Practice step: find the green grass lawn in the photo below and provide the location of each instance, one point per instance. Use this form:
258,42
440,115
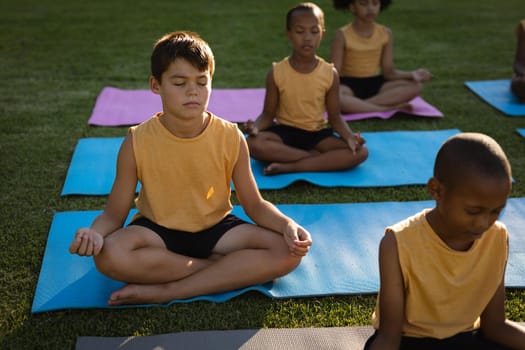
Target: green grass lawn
56,56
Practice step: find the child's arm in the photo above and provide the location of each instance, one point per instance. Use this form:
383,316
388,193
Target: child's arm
391,296
519,61
89,241
271,102
337,50
262,212
496,327
354,140
391,73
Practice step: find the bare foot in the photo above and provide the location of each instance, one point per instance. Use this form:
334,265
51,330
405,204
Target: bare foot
275,168
287,167
140,294
407,107
279,168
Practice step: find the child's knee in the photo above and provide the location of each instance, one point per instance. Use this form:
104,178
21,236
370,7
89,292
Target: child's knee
417,88
288,264
284,261
362,154
108,263
103,263
255,146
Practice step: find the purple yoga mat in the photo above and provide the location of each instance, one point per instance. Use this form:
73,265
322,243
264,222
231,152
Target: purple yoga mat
115,107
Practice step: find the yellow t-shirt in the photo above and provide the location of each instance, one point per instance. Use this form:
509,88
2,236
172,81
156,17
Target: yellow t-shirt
446,290
302,97
185,182
362,56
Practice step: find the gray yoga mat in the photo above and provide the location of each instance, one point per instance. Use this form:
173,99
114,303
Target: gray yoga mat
348,338
334,338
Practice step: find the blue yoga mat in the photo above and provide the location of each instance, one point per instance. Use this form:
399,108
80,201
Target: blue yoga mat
396,158
497,94
342,260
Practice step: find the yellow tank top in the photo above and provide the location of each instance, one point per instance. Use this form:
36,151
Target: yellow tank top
446,290
185,182
302,97
362,56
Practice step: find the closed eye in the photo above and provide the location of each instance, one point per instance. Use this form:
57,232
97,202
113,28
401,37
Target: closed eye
473,212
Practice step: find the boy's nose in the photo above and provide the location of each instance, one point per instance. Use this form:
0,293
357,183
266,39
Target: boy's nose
483,222
192,89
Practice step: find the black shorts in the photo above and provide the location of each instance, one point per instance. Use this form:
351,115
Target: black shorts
300,138
364,88
467,340
196,245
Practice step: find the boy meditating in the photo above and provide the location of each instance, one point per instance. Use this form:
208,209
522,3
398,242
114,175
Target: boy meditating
442,270
291,133
184,241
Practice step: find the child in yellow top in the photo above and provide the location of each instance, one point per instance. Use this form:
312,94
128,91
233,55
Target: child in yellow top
184,241
518,80
362,53
299,90
442,270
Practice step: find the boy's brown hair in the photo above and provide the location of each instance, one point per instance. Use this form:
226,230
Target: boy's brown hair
181,44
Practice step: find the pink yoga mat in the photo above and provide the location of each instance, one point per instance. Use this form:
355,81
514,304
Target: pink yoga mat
115,107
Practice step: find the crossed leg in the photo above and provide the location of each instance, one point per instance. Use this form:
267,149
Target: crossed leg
331,154
394,94
245,255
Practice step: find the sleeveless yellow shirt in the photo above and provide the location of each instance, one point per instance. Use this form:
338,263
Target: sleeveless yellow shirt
185,183
446,290
302,96
362,56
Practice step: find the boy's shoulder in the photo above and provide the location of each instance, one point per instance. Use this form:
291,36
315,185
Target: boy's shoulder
222,123
222,129
282,62
500,228
413,222
146,124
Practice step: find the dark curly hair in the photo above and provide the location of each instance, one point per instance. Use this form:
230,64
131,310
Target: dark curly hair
344,4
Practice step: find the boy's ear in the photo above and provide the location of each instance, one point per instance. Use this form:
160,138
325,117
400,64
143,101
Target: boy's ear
434,188
154,85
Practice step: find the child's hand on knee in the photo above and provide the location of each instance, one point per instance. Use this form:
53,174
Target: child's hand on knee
421,75
87,242
298,239
355,141
250,128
